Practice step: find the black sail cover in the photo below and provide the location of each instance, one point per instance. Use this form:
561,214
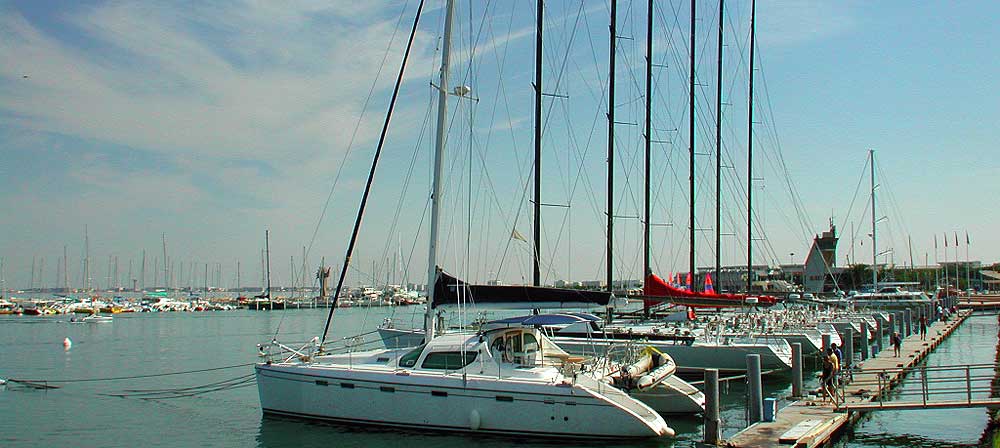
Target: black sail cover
449,290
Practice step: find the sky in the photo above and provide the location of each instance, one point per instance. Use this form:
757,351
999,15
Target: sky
205,123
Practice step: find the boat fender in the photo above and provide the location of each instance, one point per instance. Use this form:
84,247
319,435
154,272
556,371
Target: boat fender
67,343
474,420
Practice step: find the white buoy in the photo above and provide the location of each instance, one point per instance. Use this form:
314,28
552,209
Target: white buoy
67,343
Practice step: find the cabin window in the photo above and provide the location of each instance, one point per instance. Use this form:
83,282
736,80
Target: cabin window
530,350
410,359
448,360
514,343
530,343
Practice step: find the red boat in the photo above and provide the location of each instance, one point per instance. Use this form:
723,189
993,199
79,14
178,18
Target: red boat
656,290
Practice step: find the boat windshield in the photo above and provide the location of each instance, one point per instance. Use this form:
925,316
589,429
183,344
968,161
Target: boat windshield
410,359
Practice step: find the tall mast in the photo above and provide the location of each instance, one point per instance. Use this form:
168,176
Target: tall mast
439,147
143,270
267,262
65,270
237,277
909,246
166,281
691,267
718,151
86,259
871,154
536,253
611,146
753,13
646,270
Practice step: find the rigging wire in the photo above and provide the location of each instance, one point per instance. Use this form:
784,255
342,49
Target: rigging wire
371,174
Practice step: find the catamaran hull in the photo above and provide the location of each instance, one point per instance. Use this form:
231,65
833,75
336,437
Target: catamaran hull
673,396
448,403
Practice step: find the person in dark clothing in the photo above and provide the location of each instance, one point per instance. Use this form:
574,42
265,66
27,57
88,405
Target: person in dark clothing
923,328
897,343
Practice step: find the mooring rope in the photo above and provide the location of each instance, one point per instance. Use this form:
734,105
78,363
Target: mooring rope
133,377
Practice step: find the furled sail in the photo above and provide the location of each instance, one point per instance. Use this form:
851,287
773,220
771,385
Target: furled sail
448,291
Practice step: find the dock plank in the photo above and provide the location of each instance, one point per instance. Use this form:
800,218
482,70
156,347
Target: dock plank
799,431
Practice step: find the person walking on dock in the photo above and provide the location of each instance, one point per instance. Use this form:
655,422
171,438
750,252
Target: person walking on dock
830,368
897,343
923,327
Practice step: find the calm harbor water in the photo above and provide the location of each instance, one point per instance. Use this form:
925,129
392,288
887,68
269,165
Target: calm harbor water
86,413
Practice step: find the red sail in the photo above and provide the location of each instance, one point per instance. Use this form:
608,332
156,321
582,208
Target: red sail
654,287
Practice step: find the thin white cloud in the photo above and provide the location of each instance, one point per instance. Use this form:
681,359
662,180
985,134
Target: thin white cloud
798,22
267,89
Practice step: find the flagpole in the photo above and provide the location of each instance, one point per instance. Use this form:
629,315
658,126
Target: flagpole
937,265
957,278
968,261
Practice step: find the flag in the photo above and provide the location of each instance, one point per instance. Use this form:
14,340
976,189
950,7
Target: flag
945,239
935,244
514,234
708,283
956,239
967,238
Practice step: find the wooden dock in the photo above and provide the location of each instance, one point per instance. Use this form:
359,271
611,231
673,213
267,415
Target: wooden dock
811,423
979,302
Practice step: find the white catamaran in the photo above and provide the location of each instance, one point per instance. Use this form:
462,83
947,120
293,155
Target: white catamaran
506,381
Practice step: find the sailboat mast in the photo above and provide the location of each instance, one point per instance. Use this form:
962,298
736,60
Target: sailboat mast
65,270
267,262
646,270
691,266
718,150
536,253
166,281
439,146
871,153
611,146
753,13
86,259
143,270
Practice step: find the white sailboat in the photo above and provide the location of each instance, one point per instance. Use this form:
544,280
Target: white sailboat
95,316
505,381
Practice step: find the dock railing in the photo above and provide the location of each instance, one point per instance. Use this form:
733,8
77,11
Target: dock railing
967,385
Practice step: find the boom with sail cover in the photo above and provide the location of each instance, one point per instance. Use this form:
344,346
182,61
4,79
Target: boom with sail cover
448,291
